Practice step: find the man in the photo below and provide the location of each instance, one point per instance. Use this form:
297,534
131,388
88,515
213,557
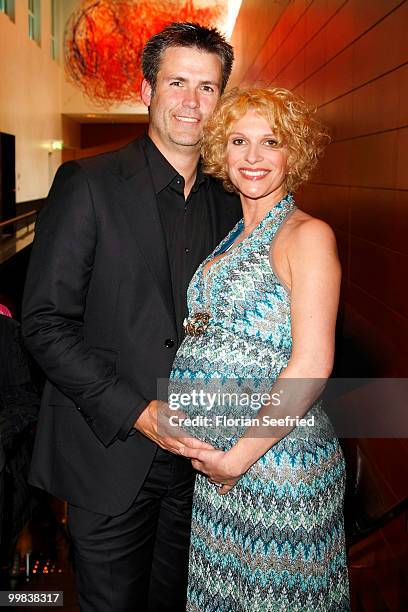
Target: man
104,303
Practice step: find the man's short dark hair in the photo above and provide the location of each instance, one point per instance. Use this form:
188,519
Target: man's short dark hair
186,34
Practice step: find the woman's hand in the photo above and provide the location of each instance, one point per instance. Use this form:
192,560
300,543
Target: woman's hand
219,467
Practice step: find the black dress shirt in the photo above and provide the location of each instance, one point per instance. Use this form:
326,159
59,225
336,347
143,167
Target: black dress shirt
186,225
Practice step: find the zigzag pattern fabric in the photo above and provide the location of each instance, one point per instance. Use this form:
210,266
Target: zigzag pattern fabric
276,541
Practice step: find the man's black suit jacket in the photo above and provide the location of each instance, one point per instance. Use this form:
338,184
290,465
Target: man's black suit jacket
98,317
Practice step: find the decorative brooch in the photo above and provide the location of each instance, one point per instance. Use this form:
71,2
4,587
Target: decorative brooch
197,324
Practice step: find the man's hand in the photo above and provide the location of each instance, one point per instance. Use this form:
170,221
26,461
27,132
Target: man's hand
154,423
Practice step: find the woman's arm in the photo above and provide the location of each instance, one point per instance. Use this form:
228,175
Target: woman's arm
315,284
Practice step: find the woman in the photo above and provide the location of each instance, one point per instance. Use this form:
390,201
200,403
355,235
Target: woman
267,528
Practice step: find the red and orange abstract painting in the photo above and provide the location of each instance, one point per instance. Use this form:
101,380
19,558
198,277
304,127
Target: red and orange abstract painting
104,39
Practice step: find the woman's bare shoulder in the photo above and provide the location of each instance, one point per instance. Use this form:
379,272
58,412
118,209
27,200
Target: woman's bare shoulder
303,230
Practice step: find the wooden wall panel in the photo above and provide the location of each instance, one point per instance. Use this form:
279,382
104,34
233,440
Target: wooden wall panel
403,95
374,160
382,48
380,216
402,159
336,167
277,37
337,75
367,14
329,202
378,272
289,76
315,53
338,116
374,105
340,31
379,331
290,48
262,17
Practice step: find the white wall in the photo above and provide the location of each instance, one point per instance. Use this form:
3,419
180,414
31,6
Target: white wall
30,100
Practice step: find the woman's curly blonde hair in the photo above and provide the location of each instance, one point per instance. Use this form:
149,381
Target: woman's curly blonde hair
292,122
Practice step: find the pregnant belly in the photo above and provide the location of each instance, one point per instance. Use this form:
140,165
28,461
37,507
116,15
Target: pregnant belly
216,387
222,354
216,383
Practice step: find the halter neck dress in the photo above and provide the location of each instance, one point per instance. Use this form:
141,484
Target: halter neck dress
275,542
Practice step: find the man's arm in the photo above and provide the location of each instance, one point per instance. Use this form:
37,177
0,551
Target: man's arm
54,303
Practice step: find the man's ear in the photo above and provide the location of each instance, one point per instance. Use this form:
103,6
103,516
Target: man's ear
146,92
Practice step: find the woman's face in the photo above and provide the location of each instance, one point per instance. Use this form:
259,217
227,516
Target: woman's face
257,165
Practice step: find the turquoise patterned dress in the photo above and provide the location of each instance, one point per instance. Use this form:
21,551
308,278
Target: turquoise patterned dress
276,540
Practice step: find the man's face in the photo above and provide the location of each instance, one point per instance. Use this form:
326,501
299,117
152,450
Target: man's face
188,87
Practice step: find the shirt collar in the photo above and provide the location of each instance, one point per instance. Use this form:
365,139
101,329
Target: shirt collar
163,172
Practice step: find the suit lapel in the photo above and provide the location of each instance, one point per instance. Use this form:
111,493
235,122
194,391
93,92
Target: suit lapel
138,204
